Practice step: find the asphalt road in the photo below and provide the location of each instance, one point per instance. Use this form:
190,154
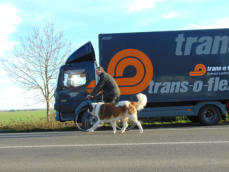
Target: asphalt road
191,149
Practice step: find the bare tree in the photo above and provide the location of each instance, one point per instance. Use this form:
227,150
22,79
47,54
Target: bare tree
35,62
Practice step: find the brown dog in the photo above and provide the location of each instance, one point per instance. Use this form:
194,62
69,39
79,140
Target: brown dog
123,110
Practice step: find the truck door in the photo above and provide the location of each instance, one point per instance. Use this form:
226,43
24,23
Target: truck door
75,79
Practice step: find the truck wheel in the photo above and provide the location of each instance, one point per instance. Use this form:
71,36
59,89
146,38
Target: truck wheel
209,115
85,121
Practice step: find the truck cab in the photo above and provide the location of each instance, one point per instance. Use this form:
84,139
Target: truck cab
74,78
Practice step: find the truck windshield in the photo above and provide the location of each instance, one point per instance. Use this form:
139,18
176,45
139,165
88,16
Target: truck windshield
74,78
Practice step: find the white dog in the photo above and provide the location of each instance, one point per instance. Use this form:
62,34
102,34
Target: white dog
123,110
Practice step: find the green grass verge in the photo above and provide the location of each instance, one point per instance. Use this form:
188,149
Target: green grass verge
10,118
24,121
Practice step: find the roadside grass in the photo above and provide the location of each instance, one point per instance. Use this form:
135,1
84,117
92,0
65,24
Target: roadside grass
13,117
30,121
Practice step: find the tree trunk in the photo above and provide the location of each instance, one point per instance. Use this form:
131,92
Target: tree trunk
47,111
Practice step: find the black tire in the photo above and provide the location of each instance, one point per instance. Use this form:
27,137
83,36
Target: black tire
209,115
85,121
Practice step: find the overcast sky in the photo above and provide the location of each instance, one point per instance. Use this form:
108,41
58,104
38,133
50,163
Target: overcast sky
83,20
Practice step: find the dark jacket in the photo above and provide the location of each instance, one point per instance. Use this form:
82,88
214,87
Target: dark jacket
108,85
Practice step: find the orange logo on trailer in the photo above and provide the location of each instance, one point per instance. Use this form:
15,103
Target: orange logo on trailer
140,61
199,70
123,59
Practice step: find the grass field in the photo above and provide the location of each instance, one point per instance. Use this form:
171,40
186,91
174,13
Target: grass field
7,118
30,121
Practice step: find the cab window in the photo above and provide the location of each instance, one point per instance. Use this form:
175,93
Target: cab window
74,78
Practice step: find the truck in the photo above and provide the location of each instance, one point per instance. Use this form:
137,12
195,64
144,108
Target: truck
182,73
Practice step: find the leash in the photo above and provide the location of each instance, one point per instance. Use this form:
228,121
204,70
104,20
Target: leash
95,106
